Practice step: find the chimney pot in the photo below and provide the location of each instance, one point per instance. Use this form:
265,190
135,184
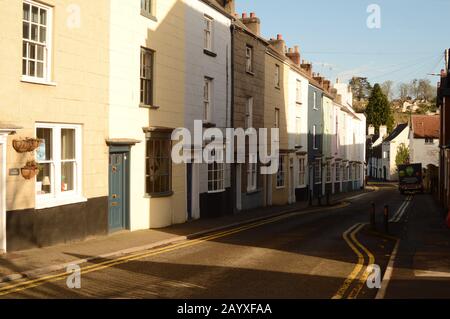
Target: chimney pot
252,15
279,37
244,15
296,49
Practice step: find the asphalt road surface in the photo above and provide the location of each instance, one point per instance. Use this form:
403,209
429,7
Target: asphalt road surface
314,255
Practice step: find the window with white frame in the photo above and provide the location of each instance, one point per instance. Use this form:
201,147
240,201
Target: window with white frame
249,113
158,177
358,172
146,87
298,92
277,76
346,169
314,136
328,172
301,172
36,41
318,171
207,98
315,100
59,160
351,169
249,58
429,140
281,174
338,172
148,8
298,127
208,33
252,174
216,177
277,118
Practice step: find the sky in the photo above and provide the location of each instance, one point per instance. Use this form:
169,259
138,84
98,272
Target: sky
334,35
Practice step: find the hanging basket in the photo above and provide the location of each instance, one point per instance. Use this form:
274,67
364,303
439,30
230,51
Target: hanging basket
30,171
26,145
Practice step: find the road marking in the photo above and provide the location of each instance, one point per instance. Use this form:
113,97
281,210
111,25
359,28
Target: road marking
431,274
401,211
28,284
360,264
388,273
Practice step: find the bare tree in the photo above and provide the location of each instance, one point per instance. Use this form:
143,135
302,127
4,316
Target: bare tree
403,89
387,88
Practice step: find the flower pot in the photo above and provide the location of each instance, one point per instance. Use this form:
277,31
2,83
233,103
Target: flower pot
27,145
29,172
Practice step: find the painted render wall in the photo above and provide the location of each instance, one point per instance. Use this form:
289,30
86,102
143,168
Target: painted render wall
392,148
421,152
129,32
78,94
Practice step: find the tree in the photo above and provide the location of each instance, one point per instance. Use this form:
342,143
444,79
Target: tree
425,90
402,155
361,88
379,110
387,88
403,89
414,89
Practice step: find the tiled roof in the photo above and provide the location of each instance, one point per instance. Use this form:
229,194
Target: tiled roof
426,126
398,130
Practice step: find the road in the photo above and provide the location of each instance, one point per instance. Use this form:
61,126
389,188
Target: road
316,255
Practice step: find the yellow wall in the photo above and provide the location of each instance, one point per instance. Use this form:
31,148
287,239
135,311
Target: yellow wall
80,95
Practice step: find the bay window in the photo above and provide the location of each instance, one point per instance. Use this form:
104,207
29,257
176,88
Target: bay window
59,160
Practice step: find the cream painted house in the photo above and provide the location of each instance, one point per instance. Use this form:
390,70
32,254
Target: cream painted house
57,91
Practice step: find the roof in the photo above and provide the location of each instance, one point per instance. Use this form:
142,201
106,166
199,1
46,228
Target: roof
425,126
398,130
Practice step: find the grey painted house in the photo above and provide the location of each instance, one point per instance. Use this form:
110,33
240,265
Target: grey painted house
315,139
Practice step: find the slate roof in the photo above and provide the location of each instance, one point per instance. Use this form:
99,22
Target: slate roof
396,132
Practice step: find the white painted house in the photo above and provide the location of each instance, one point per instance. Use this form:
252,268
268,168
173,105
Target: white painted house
424,139
390,145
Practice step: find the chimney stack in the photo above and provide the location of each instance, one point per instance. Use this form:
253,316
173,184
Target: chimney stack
383,131
252,22
294,55
371,130
229,6
307,67
327,85
279,44
319,79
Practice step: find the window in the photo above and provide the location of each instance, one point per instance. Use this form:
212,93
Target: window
277,76
148,8
216,177
158,165
315,100
314,136
429,141
252,174
301,172
277,118
36,41
59,160
338,172
298,127
318,171
281,174
208,33
249,59
207,95
146,77
298,92
328,172
346,172
358,172
249,113
351,169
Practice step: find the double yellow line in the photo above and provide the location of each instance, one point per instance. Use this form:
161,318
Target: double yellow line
358,272
31,283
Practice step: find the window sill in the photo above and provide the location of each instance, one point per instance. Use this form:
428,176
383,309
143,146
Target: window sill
278,87
210,53
299,103
148,16
250,73
43,204
209,125
216,192
254,191
280,187
160,195
150,107
25,79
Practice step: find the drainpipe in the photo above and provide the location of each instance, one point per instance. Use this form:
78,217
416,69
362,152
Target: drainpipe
233,166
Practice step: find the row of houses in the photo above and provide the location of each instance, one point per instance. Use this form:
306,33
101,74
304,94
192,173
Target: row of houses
89,107
443,103
420,136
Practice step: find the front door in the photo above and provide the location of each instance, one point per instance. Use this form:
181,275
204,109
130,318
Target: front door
118,191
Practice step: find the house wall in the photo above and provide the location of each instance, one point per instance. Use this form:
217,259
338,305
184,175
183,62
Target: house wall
77,94
421,152
315,117
166,36
392,148
249,85
198,66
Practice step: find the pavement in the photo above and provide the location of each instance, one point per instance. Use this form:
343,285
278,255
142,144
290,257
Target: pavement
36,262
421,265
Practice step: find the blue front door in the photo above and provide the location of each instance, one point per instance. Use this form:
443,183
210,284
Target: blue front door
118,191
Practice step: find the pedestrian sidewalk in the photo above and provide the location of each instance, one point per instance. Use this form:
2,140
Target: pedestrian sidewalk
421,266
35,262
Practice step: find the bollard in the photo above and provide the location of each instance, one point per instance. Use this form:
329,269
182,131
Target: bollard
386,218
372,216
